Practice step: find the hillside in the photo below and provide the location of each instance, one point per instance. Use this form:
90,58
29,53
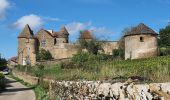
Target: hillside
150,69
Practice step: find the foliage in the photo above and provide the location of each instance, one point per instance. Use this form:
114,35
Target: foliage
3,62
41,94
118,53
2,81
92,46
156,69
43,55
85,60
164,34
164,51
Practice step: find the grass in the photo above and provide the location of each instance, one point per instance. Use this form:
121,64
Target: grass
156,69
39,90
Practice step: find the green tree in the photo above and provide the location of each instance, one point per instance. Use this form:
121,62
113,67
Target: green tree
43,55
164,36
3,62
92,46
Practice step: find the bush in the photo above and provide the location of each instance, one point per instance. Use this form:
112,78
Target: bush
118,53
43,55
3,62
164,51
87,61
2,81
92,46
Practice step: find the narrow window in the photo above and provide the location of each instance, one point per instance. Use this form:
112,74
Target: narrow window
55,41
43,43
141,39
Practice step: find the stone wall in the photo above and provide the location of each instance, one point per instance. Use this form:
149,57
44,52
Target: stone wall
65,50
97,90
53,61
101,90
25,77
109,46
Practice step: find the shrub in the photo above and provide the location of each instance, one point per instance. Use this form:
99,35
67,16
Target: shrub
87,61
164,51
43,55
2,81
118,53
3,62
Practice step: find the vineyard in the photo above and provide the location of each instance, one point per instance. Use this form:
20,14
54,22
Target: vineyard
155,69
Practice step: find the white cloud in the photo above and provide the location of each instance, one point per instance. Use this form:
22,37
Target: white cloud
4,5
75,27
33,20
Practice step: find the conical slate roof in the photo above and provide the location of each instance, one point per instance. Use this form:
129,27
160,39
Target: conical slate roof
26,33
140,29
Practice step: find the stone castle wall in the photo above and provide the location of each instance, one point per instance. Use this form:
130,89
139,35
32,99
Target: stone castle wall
135,48
109,46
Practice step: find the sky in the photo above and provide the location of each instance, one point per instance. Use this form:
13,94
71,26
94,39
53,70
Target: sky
107,18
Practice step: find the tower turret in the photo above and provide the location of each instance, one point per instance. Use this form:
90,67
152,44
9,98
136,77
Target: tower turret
26,47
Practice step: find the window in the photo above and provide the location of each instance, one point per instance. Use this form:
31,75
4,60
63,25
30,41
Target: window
55,41
141,39
43,43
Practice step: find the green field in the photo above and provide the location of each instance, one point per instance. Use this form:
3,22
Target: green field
155,69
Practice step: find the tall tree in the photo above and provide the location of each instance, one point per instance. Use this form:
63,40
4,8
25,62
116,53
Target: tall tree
164,36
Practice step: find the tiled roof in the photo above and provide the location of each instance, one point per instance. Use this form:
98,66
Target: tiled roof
86,34
140,29
63,33
14,59
26,33
64,30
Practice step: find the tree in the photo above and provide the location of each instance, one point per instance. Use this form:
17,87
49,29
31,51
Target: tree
3,62
164,36
92,46
43,55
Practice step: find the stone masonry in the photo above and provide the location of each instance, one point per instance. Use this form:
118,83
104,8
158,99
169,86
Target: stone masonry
140,42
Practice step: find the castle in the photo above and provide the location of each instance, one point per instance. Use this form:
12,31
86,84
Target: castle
140,42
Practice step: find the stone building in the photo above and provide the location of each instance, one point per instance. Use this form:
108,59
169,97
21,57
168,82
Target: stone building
57,43
140,42
27,47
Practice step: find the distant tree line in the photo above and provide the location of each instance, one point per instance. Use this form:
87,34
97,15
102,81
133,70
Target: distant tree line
3,62
164,40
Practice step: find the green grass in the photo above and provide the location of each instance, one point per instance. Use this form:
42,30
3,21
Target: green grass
156,69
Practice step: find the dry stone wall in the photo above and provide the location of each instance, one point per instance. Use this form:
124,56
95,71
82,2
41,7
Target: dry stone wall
97,90
101,90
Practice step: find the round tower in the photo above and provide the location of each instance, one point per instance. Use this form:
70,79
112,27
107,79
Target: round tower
140,42
26,47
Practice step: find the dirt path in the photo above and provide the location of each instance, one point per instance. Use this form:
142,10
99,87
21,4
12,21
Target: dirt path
16,91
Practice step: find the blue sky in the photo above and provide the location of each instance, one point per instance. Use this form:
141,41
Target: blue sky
106,17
